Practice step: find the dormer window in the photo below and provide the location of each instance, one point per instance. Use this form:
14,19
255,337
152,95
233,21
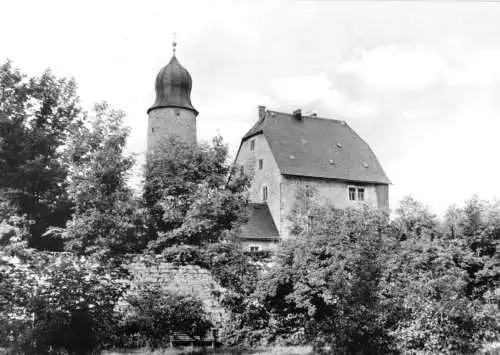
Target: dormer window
252,145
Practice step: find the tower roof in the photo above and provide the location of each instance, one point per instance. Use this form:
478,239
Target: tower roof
173,87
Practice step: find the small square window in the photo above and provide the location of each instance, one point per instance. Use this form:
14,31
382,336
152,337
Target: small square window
261,164
352,194
361,194
264,193
252,144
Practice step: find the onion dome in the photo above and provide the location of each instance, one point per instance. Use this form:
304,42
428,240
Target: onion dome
173,87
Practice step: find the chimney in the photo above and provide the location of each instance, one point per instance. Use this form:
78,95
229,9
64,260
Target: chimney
262,112
297,114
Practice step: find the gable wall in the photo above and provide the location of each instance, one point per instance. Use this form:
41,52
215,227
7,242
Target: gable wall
269,175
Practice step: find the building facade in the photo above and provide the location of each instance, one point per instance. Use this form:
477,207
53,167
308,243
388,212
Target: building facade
285,153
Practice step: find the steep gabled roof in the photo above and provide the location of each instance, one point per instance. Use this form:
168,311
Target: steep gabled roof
318,147
260,225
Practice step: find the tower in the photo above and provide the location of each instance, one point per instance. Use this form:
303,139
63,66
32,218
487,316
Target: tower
172,114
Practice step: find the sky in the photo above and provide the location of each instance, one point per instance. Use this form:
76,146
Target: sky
419,81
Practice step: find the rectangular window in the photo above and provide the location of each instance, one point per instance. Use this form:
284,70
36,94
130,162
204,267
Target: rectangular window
254,249
261,164
352,194
361,194
264,193
356,193
252,144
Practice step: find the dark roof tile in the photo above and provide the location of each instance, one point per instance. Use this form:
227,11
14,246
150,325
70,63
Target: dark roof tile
260,224
323,148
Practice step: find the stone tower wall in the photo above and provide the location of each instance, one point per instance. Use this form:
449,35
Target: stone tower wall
187,280
167,121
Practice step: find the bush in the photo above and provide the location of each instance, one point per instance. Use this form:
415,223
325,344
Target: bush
155,315
62,303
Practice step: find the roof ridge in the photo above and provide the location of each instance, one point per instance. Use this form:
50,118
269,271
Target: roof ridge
309,116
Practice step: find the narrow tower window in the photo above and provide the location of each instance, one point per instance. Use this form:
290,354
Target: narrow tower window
252,144
264,193
261,164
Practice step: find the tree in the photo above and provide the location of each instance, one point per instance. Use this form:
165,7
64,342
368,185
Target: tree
53,302
325,287
155,316
107,219
435,286
188,194
413,219
35,115
425,286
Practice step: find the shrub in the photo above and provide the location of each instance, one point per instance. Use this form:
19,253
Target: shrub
155,315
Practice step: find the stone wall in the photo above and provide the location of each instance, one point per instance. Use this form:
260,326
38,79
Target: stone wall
187,280
166,121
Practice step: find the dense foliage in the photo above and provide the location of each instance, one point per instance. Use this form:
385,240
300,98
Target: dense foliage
35,116
351,281
188,194
348,281
155,316
107,220
53,302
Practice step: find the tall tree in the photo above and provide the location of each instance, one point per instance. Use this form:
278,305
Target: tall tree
188,194
35,114
413,219
324,289
107,219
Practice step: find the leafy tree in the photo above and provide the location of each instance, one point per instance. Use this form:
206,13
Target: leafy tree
56,302
107,220
197,201
155,316
439,289
188,194
413,219
476,227
425,286
325,287
35,115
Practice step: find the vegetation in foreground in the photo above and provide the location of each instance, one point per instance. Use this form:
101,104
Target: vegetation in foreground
350,281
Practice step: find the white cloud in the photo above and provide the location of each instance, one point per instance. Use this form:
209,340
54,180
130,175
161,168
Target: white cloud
396,67
299,90
478,67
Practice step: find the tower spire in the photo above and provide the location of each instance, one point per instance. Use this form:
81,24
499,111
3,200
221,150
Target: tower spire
174,43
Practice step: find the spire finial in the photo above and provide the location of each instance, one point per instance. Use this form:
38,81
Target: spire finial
174,43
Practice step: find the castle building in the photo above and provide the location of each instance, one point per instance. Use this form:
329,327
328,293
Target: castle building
172,112
286,152
283,152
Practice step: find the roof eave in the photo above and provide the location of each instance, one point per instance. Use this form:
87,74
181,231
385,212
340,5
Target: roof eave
388,182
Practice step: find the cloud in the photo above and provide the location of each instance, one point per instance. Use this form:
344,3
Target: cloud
396,67
299,90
